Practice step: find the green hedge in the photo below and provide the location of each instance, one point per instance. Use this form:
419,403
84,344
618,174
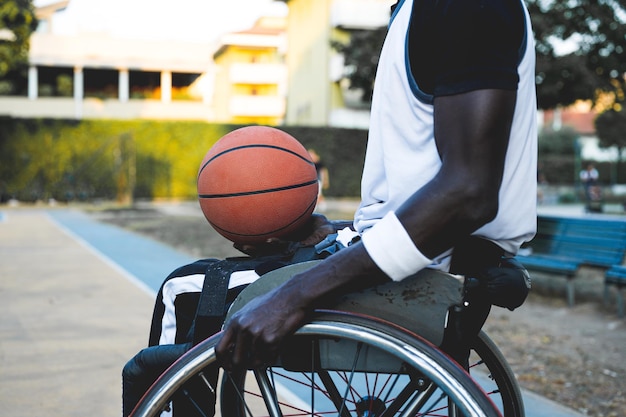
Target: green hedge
95,159
343,153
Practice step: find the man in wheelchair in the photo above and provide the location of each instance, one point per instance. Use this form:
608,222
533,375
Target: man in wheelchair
178,323
449,183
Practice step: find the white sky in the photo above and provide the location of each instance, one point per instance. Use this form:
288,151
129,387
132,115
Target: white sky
200,20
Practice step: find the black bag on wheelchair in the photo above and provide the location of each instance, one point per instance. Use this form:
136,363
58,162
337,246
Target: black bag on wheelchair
491,278
490,275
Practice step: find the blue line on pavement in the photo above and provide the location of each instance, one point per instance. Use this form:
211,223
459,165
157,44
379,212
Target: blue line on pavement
145,259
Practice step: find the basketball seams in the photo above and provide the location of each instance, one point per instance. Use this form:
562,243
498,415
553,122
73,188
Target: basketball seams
255,145
269,190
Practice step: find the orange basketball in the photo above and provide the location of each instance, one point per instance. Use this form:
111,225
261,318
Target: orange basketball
257,183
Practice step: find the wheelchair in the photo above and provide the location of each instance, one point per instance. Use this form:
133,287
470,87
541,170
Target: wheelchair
373,353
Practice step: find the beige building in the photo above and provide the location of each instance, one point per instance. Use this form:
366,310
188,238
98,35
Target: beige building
251,75
317,95
281,71
93,75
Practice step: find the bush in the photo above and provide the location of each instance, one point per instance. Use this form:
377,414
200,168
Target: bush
557,142
343,153
568,198
98,159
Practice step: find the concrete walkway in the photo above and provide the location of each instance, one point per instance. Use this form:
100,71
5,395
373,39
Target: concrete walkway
77,300
70,321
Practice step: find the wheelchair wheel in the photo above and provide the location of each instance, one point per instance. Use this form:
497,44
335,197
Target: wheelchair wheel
492,372
340,364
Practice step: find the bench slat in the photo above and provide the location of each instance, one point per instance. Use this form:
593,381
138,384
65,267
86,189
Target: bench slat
594,242
616,275
562,245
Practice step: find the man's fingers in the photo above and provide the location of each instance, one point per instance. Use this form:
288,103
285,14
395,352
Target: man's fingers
225,347
240,355
239,350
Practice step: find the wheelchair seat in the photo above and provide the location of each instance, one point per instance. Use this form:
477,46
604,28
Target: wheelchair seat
419,303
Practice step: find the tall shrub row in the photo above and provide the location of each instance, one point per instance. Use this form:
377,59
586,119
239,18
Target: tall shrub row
96,159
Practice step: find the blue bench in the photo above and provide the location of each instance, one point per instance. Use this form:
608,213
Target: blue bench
564,244
616,276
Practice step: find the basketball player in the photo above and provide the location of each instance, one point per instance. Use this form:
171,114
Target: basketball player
450,173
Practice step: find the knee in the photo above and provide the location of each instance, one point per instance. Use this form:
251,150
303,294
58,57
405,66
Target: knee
134,367
508,284
153,360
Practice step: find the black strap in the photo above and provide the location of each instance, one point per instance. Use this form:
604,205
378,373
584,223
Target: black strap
212,304
216,297
303,254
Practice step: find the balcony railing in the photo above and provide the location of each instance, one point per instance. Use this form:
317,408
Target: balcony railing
91,108
258,74
257,106
100,51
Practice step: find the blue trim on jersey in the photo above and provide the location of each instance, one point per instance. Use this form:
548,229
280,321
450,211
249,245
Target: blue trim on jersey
522,49
395,12
415,89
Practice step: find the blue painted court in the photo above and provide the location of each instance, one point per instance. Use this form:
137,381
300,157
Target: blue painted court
145,259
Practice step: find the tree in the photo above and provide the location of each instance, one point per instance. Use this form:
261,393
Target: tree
17,23
596,31
611,130
361,56
560,142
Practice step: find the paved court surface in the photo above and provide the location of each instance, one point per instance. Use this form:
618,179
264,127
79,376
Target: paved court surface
77,297
71,318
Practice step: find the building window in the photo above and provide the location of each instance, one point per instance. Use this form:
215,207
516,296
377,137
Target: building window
55,81
101,83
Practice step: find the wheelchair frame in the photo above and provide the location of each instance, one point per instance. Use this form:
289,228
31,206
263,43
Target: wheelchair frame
364,339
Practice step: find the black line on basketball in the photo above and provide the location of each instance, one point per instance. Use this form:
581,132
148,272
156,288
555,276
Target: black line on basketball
269,190
280,148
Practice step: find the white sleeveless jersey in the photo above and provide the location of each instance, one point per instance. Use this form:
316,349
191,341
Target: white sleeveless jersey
402,156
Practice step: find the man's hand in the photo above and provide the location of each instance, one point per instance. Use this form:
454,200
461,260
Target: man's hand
272,246
312,233
253,336
320,227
